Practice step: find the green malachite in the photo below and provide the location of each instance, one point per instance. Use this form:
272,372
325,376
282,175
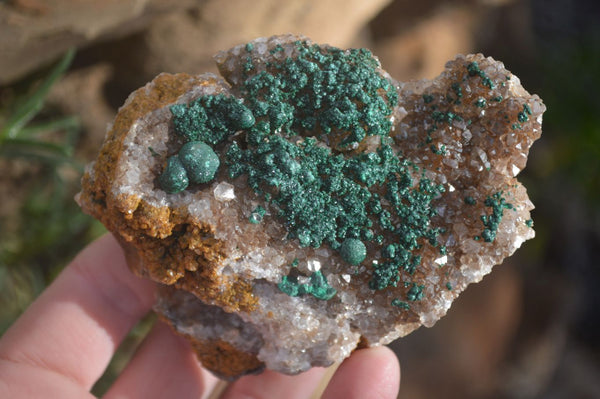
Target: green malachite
318,287
195,163
257,215
174,177
470,200
211,118
200,161
474,70
353,251
324,195
492,221
400,304
415,293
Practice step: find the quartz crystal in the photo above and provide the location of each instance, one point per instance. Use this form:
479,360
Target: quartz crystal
348,209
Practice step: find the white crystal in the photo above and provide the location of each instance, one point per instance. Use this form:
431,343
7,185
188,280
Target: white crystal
442,260
515,170
313,265
224,192
467,135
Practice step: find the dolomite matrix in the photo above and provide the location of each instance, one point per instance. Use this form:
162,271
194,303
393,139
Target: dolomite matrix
305,203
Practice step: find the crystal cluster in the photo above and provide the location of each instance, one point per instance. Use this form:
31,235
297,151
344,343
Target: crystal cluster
337,208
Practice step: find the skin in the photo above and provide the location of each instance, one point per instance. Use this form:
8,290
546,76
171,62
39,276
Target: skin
62,344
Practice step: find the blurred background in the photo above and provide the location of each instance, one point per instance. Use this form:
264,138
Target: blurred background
531,329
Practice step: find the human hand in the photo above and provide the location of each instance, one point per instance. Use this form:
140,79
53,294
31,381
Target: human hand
61,345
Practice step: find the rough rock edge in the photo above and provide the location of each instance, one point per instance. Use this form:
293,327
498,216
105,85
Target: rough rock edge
166,89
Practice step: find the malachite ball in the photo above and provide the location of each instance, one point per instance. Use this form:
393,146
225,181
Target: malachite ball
200,161
353,251
174,178
240,117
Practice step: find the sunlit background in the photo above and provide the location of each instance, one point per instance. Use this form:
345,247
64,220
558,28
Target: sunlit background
531,329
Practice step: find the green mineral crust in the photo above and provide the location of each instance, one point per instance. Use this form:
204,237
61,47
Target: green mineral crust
324,195
174,177
196,162
211,118
199,160
306,201
318,286
353,251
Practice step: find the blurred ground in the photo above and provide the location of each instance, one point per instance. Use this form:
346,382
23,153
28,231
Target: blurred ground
529,330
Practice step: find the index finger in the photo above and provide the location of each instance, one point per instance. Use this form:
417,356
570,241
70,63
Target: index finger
75,326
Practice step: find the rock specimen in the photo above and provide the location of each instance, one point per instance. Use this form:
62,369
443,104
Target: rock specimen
308,204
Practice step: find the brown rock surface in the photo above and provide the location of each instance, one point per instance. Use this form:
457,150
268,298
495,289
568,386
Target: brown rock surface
35,33
468,131
178,35
422,48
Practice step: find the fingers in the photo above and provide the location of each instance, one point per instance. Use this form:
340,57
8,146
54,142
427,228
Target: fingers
74,327
372,373
163,367
270,384
19,380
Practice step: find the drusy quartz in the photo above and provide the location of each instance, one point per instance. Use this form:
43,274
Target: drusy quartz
305,203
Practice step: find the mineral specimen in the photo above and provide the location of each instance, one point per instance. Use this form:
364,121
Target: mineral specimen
308,203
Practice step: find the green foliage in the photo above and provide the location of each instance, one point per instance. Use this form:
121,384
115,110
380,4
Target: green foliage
20,139
48,228
572,123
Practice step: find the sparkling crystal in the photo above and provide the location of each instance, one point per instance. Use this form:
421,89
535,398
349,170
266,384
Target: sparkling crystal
313,265
220,274
442,260
224,192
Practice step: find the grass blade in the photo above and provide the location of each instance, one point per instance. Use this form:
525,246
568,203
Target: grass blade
66,123
41,156
28,109
36,145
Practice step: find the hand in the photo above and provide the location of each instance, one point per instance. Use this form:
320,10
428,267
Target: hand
61,345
